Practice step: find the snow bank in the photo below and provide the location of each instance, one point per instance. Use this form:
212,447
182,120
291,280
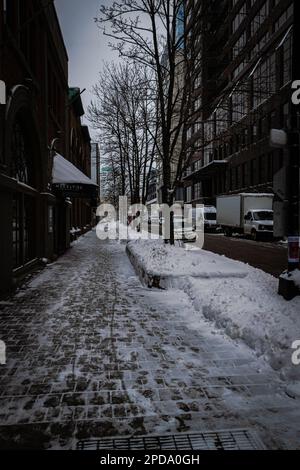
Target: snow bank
241,300
163,260
252,310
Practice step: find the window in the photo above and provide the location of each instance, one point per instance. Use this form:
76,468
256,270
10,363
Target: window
264,80
21,166
222,118
197,191
23,229
260,45
260,18
23,209
239,102
286,61
286,15
272,120
189,194
284,115
239,69
189,133
197,165
239,45
239,18
55,96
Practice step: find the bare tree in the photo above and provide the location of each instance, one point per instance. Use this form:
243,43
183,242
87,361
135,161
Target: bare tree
124,113
151,32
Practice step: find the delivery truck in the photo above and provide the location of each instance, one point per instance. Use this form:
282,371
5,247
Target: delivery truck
247,214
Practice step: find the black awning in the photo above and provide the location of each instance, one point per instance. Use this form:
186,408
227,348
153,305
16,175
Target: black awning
70,181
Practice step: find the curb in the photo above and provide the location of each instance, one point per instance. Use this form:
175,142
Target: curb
166,280
149,279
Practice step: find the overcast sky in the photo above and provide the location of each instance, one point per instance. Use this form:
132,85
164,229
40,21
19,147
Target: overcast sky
87,47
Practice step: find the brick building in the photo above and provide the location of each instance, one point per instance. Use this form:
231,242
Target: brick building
243,52
80,155
34,122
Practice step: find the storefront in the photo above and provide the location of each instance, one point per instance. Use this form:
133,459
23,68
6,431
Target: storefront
71,185
21,181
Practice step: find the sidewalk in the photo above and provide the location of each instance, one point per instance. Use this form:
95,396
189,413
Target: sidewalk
92,353
240,299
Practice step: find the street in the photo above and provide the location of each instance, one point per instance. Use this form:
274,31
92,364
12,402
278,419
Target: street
269,256
91,353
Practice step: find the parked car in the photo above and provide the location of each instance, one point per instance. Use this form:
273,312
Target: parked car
183,230
246,214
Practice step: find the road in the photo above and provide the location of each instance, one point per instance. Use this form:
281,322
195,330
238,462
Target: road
268,256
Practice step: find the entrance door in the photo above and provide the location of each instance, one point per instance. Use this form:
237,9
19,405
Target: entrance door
23,227
25,198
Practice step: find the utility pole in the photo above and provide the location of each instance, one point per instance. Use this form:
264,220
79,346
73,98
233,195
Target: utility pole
287,286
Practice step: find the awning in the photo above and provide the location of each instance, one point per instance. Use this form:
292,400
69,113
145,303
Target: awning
70,180
207,171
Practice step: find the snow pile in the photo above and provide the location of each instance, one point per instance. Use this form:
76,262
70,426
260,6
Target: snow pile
252,310
163,260
241,300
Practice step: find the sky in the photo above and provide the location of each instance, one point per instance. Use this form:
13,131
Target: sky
86,45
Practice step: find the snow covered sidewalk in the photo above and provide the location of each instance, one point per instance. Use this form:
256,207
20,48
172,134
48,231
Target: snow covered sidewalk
91,353
241,300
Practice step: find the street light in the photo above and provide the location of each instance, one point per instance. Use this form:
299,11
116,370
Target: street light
280,138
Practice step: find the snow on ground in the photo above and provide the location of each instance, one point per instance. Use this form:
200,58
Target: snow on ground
241,300
158,258
92,353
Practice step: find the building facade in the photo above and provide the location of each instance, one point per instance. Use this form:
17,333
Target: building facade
34,124
152,189
242,50
79,153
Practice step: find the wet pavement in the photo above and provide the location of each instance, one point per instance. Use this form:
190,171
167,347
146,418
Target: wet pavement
91,353
268,256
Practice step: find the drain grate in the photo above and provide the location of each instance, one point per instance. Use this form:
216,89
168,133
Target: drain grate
239,439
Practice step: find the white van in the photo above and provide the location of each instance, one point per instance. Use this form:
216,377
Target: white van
206,215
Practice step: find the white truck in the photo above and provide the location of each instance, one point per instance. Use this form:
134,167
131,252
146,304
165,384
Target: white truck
247,214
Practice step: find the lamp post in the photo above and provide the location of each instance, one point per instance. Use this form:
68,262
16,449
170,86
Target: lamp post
287,286
51,149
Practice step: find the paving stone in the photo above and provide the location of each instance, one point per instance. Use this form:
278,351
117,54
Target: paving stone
92,353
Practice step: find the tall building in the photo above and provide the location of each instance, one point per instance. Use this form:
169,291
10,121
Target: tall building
243,52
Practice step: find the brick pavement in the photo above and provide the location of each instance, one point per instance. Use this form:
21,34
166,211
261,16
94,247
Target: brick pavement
92,353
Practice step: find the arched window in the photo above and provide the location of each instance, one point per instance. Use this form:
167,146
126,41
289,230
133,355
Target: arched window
24,199
21,163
